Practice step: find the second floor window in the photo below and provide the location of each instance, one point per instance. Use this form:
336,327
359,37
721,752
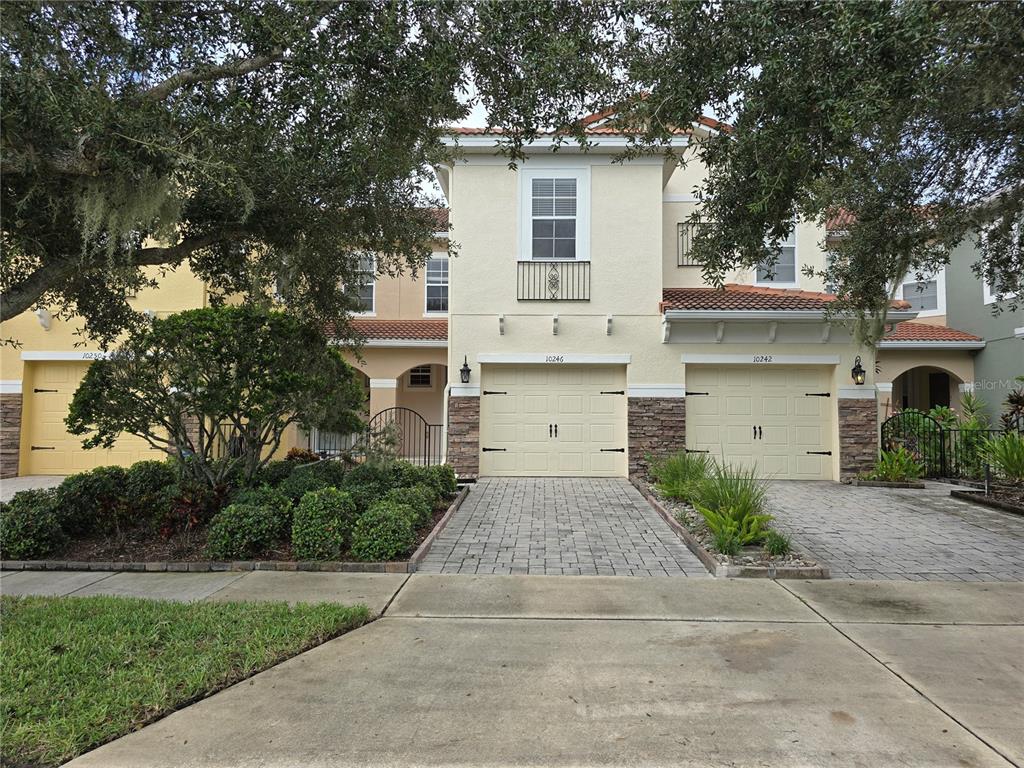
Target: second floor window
553,202
437,284
365,287
923,295
783,271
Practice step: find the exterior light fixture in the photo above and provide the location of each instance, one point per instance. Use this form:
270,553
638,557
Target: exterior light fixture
858,372
464,371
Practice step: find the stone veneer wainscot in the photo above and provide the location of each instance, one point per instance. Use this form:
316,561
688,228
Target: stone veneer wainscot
10,433
657,428
464,436
858,437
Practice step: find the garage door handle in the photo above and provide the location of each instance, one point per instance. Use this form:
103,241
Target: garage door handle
819,453
550,432
44,448
760,433
556,430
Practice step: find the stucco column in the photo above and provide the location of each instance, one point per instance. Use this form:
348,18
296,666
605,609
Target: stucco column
383,395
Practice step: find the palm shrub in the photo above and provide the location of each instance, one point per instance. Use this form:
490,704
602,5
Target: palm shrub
384,532
1006,453
731,529
679,476
322,525
896,466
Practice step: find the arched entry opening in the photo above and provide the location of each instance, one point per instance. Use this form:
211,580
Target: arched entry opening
333,444
925,387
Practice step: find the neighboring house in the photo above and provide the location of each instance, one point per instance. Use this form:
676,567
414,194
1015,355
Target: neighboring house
969,306
590,341
403,364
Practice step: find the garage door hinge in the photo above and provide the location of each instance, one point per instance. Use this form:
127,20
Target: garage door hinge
694,394
492,392
44,390
694,450
44,448
489,450
817,394
819,453
613,450
613,392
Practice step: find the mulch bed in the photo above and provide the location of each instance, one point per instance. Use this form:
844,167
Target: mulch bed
754,557
143,544
1009,498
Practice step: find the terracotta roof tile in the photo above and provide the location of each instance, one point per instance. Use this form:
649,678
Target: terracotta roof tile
749,297
401,330
926,332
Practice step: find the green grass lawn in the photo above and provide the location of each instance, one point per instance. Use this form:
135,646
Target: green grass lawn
77,672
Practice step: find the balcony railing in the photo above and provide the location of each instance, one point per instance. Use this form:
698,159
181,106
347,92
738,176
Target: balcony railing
686,231
553,281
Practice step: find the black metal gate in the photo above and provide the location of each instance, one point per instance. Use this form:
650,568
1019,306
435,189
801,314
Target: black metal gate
408,434
942,451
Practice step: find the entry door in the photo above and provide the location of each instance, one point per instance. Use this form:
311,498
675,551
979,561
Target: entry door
47,448
777,419
554,420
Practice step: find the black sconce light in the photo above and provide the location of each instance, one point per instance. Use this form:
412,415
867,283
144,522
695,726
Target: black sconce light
464,371
858,372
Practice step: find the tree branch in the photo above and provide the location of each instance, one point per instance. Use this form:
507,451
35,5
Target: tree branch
236,68
21,296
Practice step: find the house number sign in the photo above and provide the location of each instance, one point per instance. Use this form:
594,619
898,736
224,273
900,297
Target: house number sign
762,358
554,359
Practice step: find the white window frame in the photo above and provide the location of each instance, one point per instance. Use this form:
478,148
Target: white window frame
990,298
372,312
940,290
526,177
796,266
419,369
447,284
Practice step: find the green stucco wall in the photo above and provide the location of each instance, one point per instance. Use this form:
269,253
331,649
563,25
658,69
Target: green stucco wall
1002,359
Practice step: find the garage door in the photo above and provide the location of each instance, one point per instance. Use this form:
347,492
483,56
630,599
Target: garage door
46,447
777,419
559,420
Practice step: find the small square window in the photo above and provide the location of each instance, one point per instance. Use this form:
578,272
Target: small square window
419,377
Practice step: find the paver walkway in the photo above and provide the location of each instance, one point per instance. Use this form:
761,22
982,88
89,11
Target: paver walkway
887,533
559,526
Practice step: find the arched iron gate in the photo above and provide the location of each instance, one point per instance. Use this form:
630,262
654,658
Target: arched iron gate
411,436
955,452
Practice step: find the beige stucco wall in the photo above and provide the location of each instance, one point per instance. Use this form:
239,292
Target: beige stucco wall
404,297
895,362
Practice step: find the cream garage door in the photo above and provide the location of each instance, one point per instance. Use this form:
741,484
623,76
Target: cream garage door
772,417
558,420
46,447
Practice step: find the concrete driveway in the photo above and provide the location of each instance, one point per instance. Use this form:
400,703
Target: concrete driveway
516,671
559,526
11,485
885,533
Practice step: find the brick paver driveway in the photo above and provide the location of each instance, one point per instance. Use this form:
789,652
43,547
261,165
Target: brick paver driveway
571,526
883,533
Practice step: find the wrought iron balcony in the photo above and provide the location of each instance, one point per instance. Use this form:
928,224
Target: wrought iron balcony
553,281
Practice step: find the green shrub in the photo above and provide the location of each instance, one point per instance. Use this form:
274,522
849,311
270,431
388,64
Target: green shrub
370,481
1006,453
732,529
322,524
94,501
421,499
242,531
273,473
777,544
384,532
146,482
189,506
308,478
679,476
29,526
273,499
442,477
898,466
738,490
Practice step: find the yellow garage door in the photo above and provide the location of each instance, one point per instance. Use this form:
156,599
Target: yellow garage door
46,446
775,418
554,420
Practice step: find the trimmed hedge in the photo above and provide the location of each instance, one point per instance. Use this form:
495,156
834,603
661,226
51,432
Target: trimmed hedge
384,532
273,499
309,478
420,498
322,524
94,500
29,525
273,473
242,531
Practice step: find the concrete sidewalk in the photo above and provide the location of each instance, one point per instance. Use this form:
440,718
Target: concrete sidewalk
374,590
628,671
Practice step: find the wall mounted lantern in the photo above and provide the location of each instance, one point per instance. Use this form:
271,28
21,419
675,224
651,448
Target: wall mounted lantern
858,372
464,371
